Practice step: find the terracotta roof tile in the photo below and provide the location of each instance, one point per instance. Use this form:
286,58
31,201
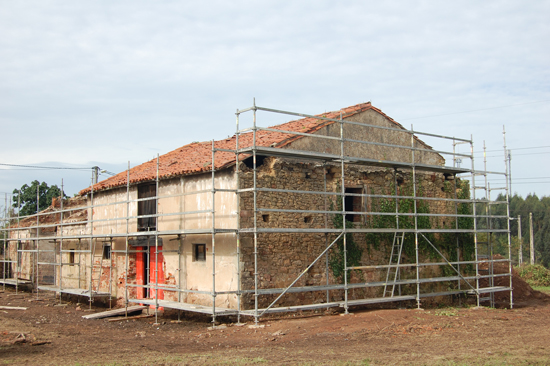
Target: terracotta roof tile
197,157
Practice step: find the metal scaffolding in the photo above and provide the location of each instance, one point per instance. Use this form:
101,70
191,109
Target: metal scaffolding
83,244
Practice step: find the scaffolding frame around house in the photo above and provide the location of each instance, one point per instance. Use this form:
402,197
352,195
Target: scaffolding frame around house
465,283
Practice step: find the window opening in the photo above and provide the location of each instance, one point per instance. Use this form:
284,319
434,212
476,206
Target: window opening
249,162
353,203
147,207
107,252
265,218
71,256
199,252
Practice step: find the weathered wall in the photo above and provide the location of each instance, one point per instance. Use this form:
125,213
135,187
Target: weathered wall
175,196
284,256
369,134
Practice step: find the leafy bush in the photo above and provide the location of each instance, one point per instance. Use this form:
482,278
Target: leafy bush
534,275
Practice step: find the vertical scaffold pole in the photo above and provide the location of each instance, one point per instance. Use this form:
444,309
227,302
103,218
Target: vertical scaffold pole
457,237
60,244
508,183
157,245
17,246
397,269
37,242
91,241
5,225
344,209
5,235
213,238
126,256
238,185
415,212
326,227
488,226
474,215
255,177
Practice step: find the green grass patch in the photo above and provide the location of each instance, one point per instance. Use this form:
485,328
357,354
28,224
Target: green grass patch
534,274
545,289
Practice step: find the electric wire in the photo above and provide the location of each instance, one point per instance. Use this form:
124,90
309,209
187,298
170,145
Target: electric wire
43,167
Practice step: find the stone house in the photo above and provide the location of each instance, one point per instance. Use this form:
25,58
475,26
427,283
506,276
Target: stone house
174,231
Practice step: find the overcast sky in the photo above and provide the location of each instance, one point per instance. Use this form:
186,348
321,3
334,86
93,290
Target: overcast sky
86,83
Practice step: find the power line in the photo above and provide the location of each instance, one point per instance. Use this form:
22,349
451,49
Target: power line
500,156
42,167
476,110
527,178
519,148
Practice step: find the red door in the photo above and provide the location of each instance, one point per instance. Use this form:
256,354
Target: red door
156,265
147,265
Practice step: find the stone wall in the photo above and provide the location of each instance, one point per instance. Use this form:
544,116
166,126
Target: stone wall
282,257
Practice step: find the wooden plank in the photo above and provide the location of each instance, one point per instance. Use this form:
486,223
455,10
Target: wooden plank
106,314
12,308
131,317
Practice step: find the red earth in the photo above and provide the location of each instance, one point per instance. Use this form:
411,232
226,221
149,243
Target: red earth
50,333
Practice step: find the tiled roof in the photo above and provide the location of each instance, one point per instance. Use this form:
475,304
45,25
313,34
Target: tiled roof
197,157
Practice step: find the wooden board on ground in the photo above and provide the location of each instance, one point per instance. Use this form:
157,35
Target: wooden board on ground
115,312
130,317
12,308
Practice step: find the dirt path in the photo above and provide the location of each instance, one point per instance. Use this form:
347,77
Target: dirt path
47,334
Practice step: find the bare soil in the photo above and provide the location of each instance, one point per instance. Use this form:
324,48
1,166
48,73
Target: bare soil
49,334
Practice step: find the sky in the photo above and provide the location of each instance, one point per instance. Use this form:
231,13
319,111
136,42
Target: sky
107,83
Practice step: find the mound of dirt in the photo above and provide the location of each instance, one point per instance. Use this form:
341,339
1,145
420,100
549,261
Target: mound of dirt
523,293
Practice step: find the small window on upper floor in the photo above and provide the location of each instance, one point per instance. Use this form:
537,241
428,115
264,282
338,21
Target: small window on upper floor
199,252
106,252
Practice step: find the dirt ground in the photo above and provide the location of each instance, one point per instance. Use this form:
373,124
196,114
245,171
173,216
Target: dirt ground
49,334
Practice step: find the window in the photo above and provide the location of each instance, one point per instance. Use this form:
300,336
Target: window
147,207
106,252
71,256
353,203
199,252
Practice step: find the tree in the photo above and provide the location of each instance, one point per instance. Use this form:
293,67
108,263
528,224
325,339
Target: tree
25,198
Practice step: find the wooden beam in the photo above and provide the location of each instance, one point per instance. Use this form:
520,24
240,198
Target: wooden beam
115,312
131,317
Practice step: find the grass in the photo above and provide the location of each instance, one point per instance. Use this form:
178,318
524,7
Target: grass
534,274
447,312
545,289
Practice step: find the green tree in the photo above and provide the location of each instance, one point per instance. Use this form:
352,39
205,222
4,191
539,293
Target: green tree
25,198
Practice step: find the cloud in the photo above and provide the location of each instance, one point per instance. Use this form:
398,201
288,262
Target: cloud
117,81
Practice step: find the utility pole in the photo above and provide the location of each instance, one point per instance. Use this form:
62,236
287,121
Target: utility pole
531,239
520,256
95,174
510,172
